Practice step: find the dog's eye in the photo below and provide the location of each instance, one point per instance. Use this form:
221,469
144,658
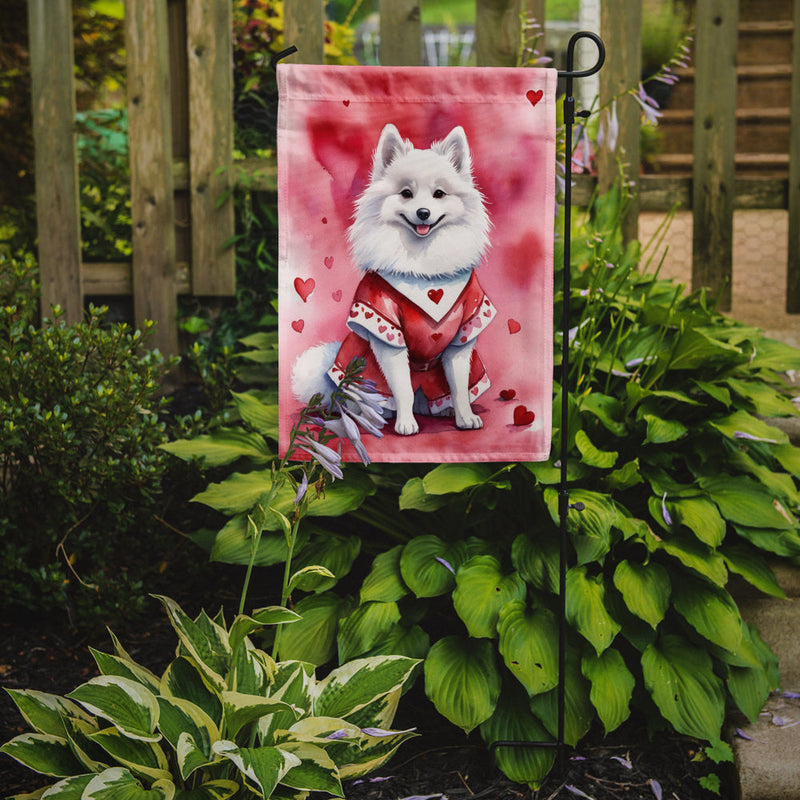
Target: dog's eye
407,193
439,193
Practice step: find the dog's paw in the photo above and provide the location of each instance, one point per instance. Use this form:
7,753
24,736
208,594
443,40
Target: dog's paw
468,422
406,426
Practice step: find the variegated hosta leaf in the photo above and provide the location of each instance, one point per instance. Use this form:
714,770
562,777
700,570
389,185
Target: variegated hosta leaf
68,789
612,686
365,627
183,679
242,709
385,581
45,712
262,766
179,717
513,721
710,610
145,759
244,625
252,670
117,783
44,753
125,668
358,683
586,608
529,645
190,755
683,685
78,733
293,684
204,641
372,753
212,790
126,704
316,771
462,680
481,591
646,589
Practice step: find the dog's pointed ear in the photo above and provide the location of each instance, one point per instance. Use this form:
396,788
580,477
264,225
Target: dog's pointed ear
390,145
456,148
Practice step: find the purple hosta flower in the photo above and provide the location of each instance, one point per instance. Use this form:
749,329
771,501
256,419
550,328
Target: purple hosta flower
301,489
380,732
327,458
791,695
626,762
342,733
582,155
742,735
751,437
649,106
655,787
608,131
577,792
664,512
376,779
447,564
425,797
345,428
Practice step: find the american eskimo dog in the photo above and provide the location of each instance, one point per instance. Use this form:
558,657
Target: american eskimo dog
420,231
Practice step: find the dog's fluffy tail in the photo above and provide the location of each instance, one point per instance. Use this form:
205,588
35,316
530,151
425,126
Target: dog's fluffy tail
310,371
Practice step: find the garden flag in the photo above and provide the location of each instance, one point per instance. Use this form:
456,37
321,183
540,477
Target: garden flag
416,218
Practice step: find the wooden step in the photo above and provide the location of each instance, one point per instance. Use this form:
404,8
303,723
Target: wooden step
765,42
754,10
767,165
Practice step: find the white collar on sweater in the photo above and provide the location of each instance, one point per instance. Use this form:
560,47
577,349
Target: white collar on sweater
435,296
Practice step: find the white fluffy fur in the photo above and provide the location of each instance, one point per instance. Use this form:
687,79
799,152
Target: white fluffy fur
381,238
309,371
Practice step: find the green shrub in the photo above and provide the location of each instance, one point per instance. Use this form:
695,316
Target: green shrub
223,720
79,430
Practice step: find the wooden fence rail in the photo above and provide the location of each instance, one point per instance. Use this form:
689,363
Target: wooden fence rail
180,104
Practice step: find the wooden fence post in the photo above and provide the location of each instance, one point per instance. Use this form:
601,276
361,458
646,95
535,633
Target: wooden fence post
56,162
621,28
793,266
210,55
304,27
498,29
152,201
714,190
401,33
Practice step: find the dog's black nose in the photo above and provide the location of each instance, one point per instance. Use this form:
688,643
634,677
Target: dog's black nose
423,213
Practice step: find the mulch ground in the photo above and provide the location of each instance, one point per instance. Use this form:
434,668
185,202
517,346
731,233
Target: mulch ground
441,762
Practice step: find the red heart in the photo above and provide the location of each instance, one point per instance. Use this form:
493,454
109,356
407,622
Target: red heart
304,288
436,336
328,261
298,325
324,220
337,295
522,416
534,96
435,294
346,103
514,326
507,394
368,314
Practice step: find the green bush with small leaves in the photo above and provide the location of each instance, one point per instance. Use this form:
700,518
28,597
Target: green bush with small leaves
80,467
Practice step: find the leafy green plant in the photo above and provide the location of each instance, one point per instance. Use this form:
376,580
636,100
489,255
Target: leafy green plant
223,720
79,430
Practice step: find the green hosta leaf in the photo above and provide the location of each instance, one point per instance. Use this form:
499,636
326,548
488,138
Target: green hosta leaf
243,625
145,759
646,589
590,455
428,565
548,474
766,401
696,349
608,410
753,567
586,608
242,709
749,687
45,712
126,704
234,545
334,553
449,478
481,591
413,496
223,446
625,477
788,455
67,789
183,679
357,684
264,766
537,561
512,721
782,543
693,554
709,610
612,687
740,422
385,582
529,645
316,772
44,753
774,355
125,668
365,627
261,416
313,638
683,685
717,392
745,502
663,431
118,784
207,644
578,710
399,640
597,517
462,680
701,517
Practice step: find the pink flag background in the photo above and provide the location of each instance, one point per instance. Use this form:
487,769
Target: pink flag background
330,120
